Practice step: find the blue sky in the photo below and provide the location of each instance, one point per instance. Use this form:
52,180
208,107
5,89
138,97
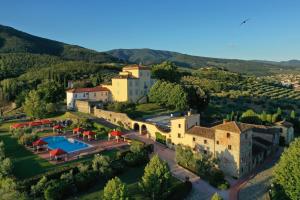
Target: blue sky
205,28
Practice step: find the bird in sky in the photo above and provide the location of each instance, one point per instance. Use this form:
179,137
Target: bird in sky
244,22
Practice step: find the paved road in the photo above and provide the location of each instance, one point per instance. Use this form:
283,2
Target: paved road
201,189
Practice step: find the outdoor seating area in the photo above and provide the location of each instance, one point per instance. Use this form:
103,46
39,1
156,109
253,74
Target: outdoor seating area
37,123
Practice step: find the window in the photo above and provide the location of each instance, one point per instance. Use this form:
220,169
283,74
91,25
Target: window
217,141
136,92
179,125
179,135
194,139
229,147
205,141
75,95
246,135
228,135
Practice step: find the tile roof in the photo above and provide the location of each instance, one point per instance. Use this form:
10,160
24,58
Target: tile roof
94,89
285,124
202,131
129,76
233,126
136,67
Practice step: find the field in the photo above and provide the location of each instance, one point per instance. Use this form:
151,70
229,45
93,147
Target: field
258,95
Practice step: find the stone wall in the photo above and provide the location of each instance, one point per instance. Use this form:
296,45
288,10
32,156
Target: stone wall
82,106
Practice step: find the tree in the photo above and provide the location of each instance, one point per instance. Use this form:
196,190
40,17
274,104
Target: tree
293,115
39,188
216,196
6,167
51,91
287,170
50,107
102,165
166,71
8,190
115,190
184,156
156,179
34,106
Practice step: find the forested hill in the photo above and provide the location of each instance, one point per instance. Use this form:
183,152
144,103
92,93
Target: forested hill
150,56
15,41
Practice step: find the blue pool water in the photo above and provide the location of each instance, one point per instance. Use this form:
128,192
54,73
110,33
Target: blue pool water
67,144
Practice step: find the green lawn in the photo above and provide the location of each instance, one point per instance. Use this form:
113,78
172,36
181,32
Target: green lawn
27,164
131,177
148,109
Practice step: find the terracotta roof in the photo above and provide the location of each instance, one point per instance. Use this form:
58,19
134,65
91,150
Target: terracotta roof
57,152
129,76
94,89
233,126
136,67
285,124
266,130
202,131
39,142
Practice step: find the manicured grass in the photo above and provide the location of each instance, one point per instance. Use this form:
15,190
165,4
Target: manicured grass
148,109
131,177
26,164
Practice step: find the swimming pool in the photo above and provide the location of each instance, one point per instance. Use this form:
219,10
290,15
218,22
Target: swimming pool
67,144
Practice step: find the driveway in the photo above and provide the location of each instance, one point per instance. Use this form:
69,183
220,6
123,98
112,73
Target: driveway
201,189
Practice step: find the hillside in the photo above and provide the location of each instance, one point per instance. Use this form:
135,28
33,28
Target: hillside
15,41
150,56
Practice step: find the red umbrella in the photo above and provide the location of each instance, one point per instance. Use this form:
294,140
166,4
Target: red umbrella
39,143
88,133
57,152
46,121
35,123
116,133
78,129
58,127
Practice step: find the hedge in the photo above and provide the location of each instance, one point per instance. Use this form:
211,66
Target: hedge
160,138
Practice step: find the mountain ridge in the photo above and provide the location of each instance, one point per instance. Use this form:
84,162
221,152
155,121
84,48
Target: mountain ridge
16,41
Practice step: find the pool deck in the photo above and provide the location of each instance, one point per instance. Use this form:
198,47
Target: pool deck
97,147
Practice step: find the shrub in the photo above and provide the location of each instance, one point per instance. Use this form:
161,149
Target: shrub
27,139
216,179
38,189
216,196
101,164
160,138
84,180
53,191
179,191
135,159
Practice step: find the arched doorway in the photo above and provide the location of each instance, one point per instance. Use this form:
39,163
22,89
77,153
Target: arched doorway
144,129
136,127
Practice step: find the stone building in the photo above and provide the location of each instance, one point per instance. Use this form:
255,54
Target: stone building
131,85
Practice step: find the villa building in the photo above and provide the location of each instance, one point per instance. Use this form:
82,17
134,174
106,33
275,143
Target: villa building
131,85
239,147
